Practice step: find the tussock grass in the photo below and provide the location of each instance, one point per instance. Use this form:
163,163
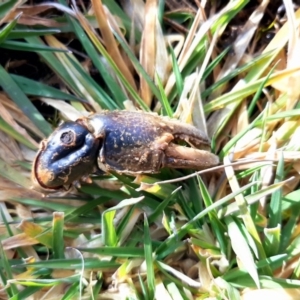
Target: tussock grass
226,233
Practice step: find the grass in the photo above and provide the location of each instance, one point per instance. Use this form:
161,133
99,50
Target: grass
230,232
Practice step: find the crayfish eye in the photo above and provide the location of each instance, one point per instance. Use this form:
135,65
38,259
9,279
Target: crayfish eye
68,137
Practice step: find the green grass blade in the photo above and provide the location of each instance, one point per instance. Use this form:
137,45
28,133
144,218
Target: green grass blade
143,289
111,83
164,100
6,273
112,64
162,206
212,66
266,282
58,235
235,73
70,264
177,73
217,226
275,211
22,46
4,32
272,240
109,234
19,33
72,292
26,293
18,96
60,69
6,6
259,92
14,175
15,134
149,259
92,88
115,251
252,198
46,282
139,67
97,287
36,88
241,249
184,229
